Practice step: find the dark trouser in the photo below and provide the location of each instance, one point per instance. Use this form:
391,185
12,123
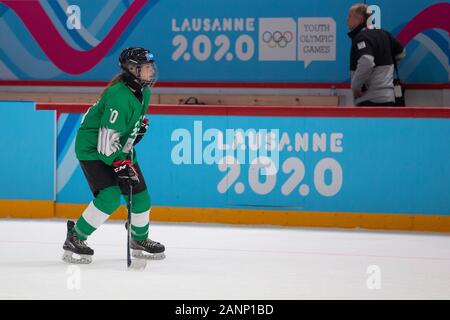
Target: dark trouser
376,104
100,176
107,191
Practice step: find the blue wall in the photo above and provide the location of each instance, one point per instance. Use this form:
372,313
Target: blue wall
28,144
373,165
211,40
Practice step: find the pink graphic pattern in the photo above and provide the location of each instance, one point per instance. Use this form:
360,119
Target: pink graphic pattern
436,16
65,57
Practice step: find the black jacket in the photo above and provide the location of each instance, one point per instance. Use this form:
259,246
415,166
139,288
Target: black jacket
372,63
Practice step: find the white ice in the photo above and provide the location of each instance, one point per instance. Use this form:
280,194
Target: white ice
227,262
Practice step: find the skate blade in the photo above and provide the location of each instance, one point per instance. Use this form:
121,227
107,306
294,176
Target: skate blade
68,257
137,264
140,254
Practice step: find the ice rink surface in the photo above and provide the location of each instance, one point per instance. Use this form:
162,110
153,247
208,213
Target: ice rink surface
226,262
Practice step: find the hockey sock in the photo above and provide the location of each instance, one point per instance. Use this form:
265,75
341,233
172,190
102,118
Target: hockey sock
98,211
140,215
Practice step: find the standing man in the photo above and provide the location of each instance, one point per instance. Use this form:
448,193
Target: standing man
371,60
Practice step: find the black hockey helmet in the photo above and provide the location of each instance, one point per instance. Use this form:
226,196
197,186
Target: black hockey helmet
131,61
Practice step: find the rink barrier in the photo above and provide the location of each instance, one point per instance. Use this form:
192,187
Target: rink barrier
34,209
212,84
49,209
340,219
405,222
270,111
72,199
29,173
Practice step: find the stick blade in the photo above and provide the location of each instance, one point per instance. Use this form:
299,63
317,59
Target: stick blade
137,264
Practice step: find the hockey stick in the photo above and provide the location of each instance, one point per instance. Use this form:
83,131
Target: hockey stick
136,264
130,201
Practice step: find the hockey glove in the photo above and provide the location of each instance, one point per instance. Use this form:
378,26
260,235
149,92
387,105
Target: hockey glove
142,131
125,172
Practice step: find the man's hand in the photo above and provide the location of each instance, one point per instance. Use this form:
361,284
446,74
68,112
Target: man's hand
142,131
125,172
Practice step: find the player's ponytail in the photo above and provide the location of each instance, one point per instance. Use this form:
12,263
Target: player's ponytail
113,81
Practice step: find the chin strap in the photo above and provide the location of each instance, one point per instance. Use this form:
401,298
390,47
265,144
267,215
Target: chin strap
132,81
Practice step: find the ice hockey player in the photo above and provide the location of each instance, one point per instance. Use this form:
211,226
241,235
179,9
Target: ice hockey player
104,147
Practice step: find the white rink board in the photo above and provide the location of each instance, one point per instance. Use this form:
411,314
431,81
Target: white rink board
226,262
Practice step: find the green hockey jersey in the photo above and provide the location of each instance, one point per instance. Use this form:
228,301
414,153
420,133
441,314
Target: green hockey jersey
110,126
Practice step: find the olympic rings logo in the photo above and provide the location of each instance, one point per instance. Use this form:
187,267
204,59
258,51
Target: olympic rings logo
277,38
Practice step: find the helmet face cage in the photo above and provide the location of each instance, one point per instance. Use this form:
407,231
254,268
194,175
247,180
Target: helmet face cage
131,61
154,76
146,82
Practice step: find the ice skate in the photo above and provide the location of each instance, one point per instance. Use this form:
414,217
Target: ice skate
76,250
147,249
